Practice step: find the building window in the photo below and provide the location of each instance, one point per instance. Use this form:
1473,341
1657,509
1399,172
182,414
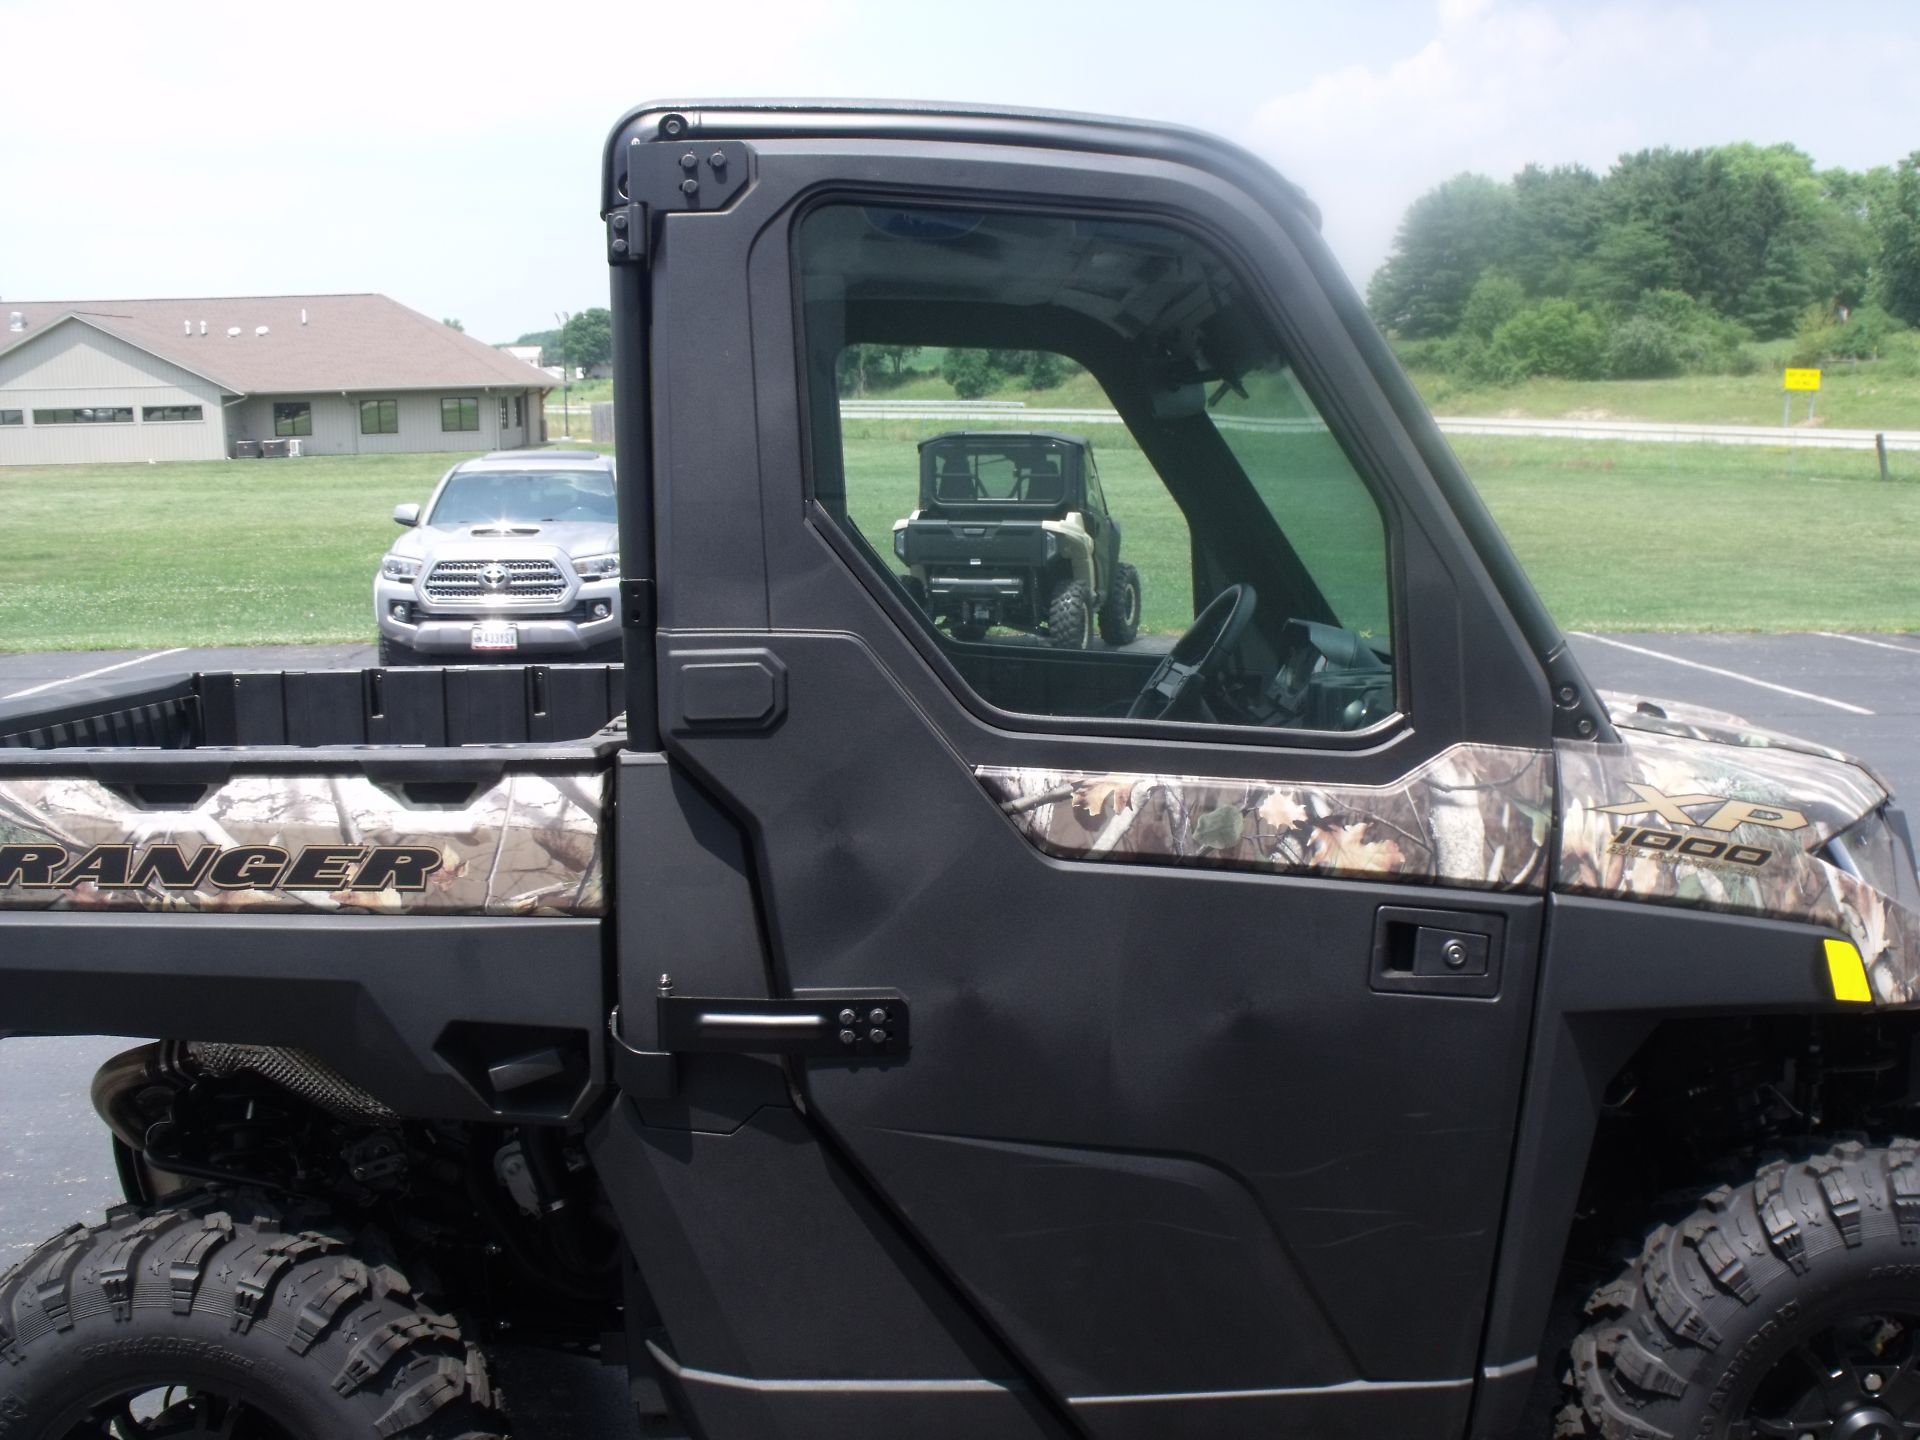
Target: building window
155,414
459,413
379,417
519,411
12,417
292,417
98,415
503,412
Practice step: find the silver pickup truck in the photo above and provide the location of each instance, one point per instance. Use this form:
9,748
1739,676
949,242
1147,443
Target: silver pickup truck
516,553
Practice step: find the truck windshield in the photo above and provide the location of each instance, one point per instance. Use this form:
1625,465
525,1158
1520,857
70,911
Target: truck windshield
521,497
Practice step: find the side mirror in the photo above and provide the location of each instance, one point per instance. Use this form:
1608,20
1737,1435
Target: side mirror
406,514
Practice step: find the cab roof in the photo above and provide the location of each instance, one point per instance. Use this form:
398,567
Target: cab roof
937,121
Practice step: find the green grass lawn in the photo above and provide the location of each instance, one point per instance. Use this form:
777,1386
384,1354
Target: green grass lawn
1866,397
1617,536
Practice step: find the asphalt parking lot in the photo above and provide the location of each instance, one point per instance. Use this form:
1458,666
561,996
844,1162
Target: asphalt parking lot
1860,693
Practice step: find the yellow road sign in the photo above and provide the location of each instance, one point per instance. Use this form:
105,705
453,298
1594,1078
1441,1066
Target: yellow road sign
1803,380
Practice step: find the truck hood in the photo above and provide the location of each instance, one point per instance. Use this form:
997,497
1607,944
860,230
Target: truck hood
507,541
1699,808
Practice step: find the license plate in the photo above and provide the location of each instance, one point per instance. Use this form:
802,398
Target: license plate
496,637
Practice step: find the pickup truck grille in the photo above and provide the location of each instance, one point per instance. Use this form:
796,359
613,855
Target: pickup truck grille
496,580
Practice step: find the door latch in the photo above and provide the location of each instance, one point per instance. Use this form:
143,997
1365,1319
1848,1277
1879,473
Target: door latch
1437,952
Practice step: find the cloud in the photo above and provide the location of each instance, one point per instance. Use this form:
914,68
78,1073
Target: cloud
1489,87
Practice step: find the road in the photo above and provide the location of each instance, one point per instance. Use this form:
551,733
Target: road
1801,436
1860,693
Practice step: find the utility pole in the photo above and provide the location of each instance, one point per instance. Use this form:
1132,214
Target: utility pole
566,377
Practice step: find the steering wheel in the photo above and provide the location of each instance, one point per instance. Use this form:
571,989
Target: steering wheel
1179,682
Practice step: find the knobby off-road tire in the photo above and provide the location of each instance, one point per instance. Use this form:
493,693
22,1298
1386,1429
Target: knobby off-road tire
1786,1306
263,1331
1070,616
1120,616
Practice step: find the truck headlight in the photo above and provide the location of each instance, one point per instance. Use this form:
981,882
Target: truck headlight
398,567
1879,851
1053,544
596,567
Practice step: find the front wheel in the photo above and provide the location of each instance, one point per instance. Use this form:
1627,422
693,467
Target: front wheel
394,654
210,1319
1787,1306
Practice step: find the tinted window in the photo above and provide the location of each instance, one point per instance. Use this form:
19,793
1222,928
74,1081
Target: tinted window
480,497
95,415
153,414
1074,448
459,413
379,417
292,417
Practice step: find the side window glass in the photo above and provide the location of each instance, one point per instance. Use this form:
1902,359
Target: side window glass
1074,448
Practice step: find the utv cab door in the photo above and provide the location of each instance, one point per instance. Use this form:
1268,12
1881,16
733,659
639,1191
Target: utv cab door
1175,995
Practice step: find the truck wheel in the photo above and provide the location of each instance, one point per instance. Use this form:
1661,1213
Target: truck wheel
1120,616
1789,1306
209,1319
1070,616
393,653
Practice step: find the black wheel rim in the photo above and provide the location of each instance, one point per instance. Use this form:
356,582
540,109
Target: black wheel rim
175,1412
1857,1379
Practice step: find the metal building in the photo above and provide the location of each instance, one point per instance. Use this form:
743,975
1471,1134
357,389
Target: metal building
129,380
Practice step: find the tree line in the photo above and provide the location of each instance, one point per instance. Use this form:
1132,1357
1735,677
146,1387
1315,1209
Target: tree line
1671,262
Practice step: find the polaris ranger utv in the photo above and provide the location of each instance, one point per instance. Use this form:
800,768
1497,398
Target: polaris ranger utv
1345,1024
1013,529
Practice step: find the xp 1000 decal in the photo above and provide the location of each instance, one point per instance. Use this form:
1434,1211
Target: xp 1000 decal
1747,828
523,845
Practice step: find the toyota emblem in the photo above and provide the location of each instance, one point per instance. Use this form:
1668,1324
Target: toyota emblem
495,575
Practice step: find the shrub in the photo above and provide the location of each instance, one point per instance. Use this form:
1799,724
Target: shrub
1496,298
970,372
1643,349
1551,337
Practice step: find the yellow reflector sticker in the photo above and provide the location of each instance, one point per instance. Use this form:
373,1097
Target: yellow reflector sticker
1848,973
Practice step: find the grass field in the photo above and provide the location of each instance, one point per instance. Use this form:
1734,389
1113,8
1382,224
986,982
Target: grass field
1617,536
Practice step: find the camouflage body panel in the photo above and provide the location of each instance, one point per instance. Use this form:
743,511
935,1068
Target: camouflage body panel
313,844
1698,722
1737,827
1477,816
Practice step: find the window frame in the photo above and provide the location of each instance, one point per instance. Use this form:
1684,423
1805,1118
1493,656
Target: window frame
462,401
1368,468
19,418
120,415
380,414
287,426
149,415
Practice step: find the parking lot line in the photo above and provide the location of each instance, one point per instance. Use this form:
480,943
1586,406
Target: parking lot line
1726,674
1863,640
89,674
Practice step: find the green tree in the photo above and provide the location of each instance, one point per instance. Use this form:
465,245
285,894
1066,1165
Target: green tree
1896,226
454,325
1496,297
587,339
970,372
1449,236
1557,217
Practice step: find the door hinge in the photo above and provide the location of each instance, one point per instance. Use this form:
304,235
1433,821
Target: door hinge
668,175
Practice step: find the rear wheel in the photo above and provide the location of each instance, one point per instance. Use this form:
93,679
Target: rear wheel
211,1319
1070,616
1120,615
1788,1306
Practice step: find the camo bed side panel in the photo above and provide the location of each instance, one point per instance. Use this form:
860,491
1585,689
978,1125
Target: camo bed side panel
1478,816
527,845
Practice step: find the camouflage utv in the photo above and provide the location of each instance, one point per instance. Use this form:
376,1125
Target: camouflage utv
1013,531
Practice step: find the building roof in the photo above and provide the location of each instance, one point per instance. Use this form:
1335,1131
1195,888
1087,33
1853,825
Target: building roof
348,342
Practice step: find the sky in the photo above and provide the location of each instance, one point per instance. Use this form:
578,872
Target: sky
448,156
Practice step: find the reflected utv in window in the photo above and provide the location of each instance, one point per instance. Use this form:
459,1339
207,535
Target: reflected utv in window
379,417
292,417
1263,555
459,413
97,415
169,414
